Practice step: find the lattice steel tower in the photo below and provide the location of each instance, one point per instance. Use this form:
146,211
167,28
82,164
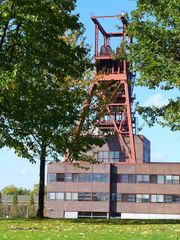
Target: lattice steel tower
111,68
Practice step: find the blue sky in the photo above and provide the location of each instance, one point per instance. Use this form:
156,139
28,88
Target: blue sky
164,143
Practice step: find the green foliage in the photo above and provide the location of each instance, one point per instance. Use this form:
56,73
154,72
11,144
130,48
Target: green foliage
11,190
155,55
43,64
14,211
31,207
35,190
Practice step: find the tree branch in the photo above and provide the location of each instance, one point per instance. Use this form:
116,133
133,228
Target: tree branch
6,27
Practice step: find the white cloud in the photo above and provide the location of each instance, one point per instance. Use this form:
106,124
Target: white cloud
157,100
158,157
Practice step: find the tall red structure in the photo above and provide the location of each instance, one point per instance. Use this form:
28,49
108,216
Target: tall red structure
113,74
112,69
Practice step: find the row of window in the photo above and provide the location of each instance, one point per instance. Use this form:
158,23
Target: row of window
118,178
92,214
81,196
98,215
116,197
78,177
145,198
145,178
110,156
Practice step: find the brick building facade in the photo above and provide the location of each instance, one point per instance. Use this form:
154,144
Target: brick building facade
113,188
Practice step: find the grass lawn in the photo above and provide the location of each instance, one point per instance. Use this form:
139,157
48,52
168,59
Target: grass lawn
49,229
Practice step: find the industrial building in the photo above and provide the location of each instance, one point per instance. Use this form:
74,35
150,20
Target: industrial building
123,183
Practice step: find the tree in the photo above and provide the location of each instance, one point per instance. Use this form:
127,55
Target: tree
43,61
14,211
155,55
11,190
1,206
35,190
31,207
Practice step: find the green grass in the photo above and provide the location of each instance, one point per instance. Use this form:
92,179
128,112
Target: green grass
49,229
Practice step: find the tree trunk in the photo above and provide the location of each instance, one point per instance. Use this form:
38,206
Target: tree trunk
40,211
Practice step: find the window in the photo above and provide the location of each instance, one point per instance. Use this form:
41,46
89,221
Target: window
89,177
118,118
115,215
51,177
169,179
116,156
96,177
124,197
168,198
74,196
88,196
160,179
105,157
175,179
142,178
159,198
153,198
104,196
100,156
99,214
96,196
107,118
60,177
84,214
131,198
144,198
75,177
84,196
175,198
171,198
123,178
68,196
82,177
153,179
81,196
157,179
60,196
128,197
109,156
105,177
68,177
92,215
132,178
51,196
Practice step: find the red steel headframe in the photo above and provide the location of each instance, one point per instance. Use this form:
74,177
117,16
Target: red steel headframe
117,72
123,127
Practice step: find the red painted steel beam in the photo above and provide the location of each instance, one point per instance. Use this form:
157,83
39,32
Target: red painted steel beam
115,34
101,29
